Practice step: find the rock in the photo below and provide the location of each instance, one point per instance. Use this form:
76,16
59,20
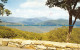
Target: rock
29,47
18,41
37,42
48,45
26,42
60,49
5,43
10,44
0,41
69,49
51,48
59,45
41,47
70,45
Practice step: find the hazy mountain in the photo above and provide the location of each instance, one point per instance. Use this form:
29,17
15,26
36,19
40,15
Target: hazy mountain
53,22
28,21
57,22
34,21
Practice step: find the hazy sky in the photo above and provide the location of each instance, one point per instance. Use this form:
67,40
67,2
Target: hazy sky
34,8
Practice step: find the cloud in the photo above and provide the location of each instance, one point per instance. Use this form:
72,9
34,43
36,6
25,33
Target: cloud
37,8
33,4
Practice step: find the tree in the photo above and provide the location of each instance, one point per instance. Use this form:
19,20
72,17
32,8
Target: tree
3,10
0,20
8,12
71,7
4,1
2,7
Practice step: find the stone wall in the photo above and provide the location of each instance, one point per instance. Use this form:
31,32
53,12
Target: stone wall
38,45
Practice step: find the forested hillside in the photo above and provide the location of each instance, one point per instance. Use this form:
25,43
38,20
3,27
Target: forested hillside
58,34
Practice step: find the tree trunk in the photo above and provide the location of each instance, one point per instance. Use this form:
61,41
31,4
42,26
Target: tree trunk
70,28
68,37
2,14
0,21
71,25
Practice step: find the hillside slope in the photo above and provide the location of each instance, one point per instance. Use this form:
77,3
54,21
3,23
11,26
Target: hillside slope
36,29
58,34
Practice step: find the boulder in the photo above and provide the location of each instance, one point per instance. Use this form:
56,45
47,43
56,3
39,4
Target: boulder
26,42
48,45
59,49
37,43
5,43
29,47
69,49
70,45
11,44
41,47
18,41
51,48
0,41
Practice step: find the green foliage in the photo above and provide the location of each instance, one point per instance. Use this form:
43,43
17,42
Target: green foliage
6,32
5,1
65,4
8,12
71,7
75,36
3,10
58,34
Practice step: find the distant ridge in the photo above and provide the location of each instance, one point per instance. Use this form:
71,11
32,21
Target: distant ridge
34,21
28,21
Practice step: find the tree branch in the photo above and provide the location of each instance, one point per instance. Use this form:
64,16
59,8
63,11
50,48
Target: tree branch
75,19
75,4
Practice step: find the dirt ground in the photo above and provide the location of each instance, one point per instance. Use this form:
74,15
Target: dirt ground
11,48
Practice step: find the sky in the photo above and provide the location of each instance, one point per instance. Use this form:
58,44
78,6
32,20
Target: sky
35,8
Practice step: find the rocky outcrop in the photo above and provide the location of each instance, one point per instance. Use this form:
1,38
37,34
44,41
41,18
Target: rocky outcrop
38,45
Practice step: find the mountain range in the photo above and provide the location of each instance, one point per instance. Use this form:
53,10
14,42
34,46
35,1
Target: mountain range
28,21
34,21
